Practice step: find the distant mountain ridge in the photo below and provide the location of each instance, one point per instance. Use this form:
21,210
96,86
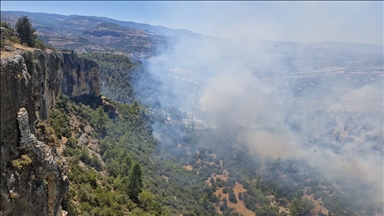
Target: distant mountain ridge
90,33
47,18
142,41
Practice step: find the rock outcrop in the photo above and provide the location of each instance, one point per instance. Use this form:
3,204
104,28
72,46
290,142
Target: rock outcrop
33,177
81,77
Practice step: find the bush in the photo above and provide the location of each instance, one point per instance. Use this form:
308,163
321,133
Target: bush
5,25
240,196
14,39
84,156
25,160
212,180
82,126
95,162
60,123
29,61
16,164
19,163
232,197
71,142
225,190
223,206
40,44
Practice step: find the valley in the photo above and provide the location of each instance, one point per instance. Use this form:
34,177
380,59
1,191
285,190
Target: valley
149,120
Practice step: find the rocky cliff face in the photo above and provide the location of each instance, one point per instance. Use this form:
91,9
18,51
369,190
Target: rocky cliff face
33,176
81,77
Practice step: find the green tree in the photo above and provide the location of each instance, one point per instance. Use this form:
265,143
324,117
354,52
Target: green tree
135,181
300,206
26,32
232,197
125,165
149,204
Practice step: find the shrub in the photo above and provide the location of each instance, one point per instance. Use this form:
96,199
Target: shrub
240,196
5,25
84,156
19,163
225,190
14,39
28,58
25,160
223,206
212,180
16,164
40,44
82,126
232,197
71,142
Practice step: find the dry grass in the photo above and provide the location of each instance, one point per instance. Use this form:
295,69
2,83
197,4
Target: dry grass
21,47
223,177
239,206
189,167
318,205
7,54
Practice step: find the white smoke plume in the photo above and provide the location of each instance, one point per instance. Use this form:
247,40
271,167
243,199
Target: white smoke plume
310,101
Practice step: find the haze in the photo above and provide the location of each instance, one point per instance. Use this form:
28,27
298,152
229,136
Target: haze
315,21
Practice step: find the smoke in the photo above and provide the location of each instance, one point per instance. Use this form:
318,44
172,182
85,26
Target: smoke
319,102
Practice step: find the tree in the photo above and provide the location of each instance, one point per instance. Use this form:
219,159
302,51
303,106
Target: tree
125,165
135,181
232,197
100,119
26,32
300,206
149,204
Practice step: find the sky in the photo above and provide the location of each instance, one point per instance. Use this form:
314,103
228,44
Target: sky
287,21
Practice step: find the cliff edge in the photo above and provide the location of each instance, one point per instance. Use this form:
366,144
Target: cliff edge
34,177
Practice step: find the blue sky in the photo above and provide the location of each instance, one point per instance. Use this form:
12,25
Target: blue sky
289,21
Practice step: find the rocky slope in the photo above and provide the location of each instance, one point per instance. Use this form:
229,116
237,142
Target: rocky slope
34,178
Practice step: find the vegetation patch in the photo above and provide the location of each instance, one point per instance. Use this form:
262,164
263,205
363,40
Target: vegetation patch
19,163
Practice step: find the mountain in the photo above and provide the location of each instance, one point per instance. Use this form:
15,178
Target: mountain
46,20
142,41
289,139
90,33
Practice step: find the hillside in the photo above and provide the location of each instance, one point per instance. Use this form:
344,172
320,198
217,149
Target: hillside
101,133
95,34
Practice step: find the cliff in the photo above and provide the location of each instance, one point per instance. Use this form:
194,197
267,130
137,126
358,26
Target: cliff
34,178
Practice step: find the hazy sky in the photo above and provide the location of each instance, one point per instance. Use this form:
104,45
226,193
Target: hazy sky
291,21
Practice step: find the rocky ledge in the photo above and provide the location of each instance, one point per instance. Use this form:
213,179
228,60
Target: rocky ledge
34,177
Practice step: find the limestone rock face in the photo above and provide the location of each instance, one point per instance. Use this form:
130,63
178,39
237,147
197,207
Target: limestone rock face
81,76
40,186
33,177
46,80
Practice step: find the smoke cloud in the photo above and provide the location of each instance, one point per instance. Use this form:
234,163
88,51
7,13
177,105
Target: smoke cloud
322,102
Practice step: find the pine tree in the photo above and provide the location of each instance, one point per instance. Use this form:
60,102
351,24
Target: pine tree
135,182
26,32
